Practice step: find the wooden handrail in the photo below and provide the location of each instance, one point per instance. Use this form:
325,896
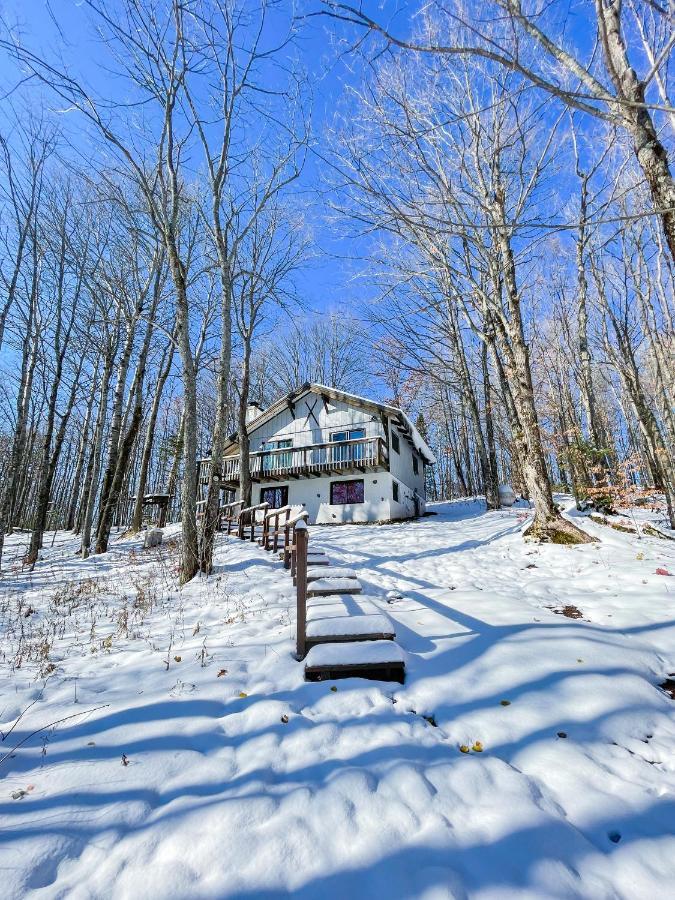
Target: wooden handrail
289,526
301,543
247,516
249,509
232,517
301,516
322,446
275,531
277,511
359,452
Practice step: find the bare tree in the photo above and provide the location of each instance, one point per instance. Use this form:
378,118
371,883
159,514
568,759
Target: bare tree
531,39
451,162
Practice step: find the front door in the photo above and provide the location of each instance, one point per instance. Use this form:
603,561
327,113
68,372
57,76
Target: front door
275,496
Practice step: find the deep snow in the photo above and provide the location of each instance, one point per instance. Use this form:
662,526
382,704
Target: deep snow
191,783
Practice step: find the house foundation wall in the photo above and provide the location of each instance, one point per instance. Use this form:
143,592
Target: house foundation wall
313,495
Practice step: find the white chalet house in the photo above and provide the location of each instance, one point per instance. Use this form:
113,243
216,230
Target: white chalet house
341,457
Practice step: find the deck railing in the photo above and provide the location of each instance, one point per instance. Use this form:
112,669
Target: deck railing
332,456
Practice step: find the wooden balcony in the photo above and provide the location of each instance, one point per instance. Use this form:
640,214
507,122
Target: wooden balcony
333,458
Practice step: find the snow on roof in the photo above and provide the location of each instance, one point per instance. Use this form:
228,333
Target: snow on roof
355,399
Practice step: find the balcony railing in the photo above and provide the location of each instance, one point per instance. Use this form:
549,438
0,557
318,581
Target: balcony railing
314,459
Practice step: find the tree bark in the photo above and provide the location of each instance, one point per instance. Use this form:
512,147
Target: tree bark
651,154
148,443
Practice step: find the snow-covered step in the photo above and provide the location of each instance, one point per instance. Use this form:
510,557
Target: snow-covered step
317,559
335,629
378,660
341,605
326,586
335,572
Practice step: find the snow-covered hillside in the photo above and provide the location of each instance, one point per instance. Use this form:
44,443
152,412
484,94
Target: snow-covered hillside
191,759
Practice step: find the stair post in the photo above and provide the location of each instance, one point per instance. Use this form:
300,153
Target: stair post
301,542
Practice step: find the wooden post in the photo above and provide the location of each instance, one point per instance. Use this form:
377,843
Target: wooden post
276,531
301,542
163,509
287,539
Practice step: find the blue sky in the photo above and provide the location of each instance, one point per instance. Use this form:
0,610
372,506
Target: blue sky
64,27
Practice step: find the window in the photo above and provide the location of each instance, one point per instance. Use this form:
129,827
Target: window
395,487
416,467
277,460
348,452
275,496
395,445
342,492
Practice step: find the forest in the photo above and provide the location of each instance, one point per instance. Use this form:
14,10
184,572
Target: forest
496,192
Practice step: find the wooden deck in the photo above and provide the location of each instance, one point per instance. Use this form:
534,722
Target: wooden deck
311,461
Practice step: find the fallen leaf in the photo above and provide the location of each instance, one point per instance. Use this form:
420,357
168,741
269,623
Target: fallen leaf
562,734
333,688
284,719
221,673
505,703
463,748
477,747
661,571
243,694
178,658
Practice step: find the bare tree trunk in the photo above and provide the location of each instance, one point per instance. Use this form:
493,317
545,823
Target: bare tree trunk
91,479
636,117
211,513
49,462
76,491
124,446
17,456
548,523
492,475
60,348
190,540
165,368
244,440
108,513
595,431
656,453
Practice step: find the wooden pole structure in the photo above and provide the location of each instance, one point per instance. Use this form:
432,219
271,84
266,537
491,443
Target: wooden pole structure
275,547
301,542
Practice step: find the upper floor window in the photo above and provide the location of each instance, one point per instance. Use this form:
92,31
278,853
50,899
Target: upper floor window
273,459
395,443
346,451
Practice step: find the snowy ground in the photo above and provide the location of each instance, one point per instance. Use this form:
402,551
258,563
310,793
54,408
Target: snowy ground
179,777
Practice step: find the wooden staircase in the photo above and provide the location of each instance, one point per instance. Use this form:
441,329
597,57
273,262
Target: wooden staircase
333,640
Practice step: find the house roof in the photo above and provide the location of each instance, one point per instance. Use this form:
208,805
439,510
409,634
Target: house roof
401,420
